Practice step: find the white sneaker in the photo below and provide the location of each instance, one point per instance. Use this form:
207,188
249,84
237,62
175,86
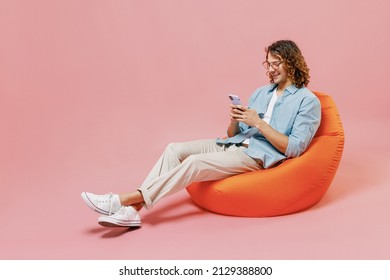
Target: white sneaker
127,216
105,204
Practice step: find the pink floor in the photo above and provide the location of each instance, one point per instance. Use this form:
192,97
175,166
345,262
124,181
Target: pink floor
92,91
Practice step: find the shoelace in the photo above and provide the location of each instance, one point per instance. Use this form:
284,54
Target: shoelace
111,203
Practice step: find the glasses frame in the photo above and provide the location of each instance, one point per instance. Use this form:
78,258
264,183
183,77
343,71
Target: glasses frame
274,64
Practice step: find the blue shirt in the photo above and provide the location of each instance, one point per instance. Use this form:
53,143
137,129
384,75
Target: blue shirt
297,114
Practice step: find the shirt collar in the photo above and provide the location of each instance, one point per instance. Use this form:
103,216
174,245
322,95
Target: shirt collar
292,89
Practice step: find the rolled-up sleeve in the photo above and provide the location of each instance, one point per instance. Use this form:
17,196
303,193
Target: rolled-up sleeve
304,128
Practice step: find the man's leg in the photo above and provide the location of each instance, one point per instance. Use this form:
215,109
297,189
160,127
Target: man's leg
173,155
197,168
176,153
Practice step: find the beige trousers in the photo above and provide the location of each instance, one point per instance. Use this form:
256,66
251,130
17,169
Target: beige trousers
184,163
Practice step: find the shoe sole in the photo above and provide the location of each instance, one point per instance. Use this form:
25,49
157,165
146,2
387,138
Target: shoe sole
91,205
116,223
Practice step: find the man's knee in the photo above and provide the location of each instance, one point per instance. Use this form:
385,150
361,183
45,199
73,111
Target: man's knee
178,149
194,161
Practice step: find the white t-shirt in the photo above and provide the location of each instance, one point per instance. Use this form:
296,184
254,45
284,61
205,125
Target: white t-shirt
271,105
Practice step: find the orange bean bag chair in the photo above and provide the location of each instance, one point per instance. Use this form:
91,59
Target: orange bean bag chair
295,185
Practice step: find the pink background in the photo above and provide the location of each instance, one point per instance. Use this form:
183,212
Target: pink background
92,91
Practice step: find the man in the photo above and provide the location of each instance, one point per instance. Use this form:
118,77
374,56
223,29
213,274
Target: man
279,123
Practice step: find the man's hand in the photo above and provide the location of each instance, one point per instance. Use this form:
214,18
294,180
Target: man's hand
242,114
233,127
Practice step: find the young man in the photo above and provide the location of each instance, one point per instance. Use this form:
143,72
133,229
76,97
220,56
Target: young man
279,123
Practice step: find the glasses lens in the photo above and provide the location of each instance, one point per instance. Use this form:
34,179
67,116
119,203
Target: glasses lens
276,64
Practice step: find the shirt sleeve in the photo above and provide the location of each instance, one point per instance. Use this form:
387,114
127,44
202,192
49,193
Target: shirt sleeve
305,126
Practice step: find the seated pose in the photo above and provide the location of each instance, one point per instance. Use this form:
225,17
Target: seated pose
279,123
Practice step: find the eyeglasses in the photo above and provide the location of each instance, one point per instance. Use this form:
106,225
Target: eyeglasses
274,64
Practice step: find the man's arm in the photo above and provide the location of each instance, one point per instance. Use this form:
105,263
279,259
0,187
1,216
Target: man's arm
305,126
277,139
233,128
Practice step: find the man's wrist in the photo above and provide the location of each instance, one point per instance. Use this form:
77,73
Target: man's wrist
234,121
260,125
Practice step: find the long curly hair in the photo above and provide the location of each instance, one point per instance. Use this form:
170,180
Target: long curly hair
293,61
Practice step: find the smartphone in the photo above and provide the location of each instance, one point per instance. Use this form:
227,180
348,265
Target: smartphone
235,99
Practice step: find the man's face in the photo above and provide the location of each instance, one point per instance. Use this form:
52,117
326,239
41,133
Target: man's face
277,71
